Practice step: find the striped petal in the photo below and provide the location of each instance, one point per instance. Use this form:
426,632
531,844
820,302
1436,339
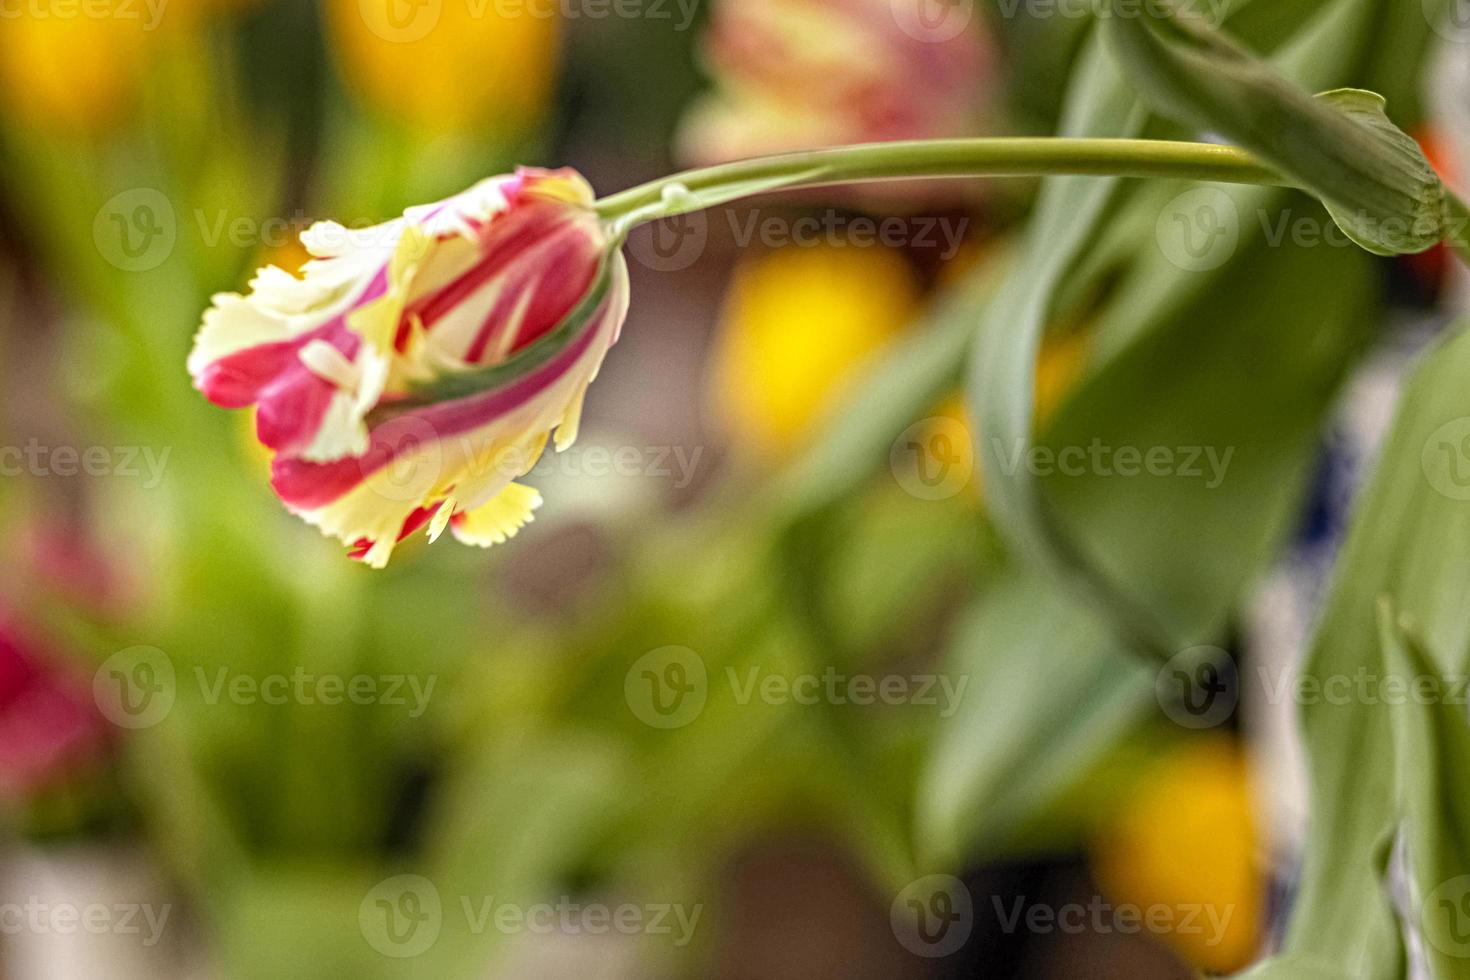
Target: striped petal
469,449
419,367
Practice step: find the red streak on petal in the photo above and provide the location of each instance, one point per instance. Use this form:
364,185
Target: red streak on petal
557,273
307,485
414,521
291,399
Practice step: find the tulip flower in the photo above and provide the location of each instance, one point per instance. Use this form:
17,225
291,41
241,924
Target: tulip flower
798,74
419,367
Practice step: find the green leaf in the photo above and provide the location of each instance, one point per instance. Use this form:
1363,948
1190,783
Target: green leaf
1406,543
1373,178
1292,968
1102,537
1002,373
1232,456
1432,740
1049,693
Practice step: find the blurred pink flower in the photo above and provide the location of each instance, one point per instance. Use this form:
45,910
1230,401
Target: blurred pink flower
803,74
49,724
62,558
420,366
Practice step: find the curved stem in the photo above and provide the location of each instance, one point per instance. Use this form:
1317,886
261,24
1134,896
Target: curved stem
694,190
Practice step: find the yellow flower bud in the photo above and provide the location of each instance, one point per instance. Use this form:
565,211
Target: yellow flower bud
448,66
798,321
75,69
1185,845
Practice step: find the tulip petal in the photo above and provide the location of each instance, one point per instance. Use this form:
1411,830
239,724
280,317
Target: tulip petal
499,520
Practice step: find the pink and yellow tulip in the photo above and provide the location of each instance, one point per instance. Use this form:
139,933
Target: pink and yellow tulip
802,74
419,367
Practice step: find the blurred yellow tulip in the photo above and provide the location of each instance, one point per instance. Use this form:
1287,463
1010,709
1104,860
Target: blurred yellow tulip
798,321
448,65
74,67
1062,359
1185,847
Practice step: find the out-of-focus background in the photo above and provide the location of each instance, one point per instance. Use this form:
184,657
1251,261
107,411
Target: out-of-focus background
760,693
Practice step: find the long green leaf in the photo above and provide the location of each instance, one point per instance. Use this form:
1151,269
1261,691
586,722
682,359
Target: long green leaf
1432,739
1406,543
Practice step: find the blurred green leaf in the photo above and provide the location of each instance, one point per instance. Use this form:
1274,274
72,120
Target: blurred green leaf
1049,691
1292,968
1404,544
1154,312
1002,376
1226,390
1432,742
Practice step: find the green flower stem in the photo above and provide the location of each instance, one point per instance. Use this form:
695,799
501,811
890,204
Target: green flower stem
711,186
